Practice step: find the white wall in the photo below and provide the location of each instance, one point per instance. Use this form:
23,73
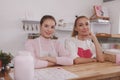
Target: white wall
12,12
114,12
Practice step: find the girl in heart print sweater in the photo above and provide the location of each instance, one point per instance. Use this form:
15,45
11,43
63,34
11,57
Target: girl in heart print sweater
80,45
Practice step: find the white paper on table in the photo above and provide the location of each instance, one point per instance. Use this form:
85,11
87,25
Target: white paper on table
55,73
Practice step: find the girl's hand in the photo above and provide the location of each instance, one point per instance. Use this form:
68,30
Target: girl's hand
94,60
79,60
44,58
92,36
49,59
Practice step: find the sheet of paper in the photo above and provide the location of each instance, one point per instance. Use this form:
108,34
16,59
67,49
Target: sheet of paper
55,73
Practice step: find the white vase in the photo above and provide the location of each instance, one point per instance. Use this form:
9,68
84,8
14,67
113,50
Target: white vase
24,66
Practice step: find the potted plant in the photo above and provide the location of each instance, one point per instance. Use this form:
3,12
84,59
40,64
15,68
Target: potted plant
5,59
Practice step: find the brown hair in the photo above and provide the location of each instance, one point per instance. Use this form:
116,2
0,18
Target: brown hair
74,32
47,17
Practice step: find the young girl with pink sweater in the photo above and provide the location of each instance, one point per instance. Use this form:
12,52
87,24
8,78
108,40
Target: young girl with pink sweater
45,50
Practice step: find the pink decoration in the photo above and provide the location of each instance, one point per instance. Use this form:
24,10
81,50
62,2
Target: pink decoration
84,53
118,58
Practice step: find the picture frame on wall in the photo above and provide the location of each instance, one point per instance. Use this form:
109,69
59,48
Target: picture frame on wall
100,12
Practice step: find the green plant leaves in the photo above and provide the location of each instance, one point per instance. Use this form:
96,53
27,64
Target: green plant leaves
5,58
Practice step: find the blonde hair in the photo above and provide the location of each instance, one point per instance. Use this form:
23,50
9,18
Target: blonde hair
74,32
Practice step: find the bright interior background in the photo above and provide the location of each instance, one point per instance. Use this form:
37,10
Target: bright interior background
12,12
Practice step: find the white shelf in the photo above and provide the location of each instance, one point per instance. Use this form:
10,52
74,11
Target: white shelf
30,22
99,21
63,29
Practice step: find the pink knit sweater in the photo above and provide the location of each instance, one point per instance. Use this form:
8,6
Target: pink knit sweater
39,45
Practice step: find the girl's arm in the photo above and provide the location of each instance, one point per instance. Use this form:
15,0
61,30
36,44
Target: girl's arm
79,60
63,60
51,64
30,46
63,57
99,53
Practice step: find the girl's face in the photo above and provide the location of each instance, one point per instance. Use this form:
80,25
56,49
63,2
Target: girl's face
82,27
47,28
